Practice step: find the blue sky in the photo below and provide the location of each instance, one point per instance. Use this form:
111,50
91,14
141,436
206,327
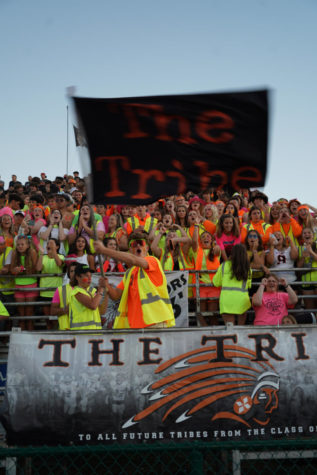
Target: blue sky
123,48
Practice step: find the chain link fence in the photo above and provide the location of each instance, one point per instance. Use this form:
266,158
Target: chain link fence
194,458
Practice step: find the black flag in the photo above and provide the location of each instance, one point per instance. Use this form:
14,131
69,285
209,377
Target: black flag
144,147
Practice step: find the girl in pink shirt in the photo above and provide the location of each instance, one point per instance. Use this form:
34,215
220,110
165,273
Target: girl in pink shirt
227,235
271,306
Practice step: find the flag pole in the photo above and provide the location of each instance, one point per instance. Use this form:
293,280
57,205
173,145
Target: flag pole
67,127
71,92
94,228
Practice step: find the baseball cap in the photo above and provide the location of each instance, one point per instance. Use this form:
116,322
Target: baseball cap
81,269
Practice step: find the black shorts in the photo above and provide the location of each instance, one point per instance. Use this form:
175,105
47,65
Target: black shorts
307,287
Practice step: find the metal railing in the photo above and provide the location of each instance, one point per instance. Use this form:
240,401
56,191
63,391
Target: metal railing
196,300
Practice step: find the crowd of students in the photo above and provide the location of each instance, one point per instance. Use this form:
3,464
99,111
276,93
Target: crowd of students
47,226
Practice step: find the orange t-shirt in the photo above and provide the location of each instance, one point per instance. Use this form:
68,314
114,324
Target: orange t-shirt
296,228
134,302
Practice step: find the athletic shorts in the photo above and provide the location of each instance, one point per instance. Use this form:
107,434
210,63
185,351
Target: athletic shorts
26,295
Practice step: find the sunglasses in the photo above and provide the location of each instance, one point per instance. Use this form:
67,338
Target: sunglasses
137,242
253,236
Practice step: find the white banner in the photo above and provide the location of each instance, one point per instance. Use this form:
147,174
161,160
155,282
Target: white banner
134,386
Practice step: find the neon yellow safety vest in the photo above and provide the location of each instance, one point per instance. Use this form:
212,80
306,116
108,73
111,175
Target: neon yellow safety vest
81,317
114,233
183,263
250,227
155,301
64,297
5,282
290,235
162,242
234,297
91,246
309,263
150,223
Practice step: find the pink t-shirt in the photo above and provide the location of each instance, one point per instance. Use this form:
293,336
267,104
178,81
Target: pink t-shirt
56,298
273,309
227,242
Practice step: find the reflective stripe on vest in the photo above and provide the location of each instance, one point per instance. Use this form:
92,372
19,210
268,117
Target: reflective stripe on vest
263,225
154,298
237,289
133,226
290,234
151,224
64,297
83,324
148,225
72,325
311,275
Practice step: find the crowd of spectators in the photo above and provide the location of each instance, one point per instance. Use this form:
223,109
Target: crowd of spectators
45,226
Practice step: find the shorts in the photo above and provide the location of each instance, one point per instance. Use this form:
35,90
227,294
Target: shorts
209,292
26,295
46,299
307,287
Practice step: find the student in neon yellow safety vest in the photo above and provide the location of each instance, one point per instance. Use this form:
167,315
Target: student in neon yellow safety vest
86,302
142,221
175,254
50,263
307,257
144,299
207,257
6,282
287,225
234,278
61,298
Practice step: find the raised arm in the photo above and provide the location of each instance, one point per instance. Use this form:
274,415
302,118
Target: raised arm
195,240
258,296
121,256
155,243
270,255
292,297
93,302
